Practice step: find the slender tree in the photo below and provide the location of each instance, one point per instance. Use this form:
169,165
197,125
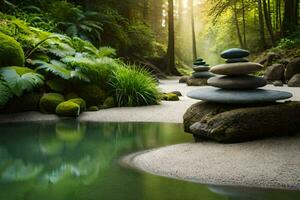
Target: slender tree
290,17
244,24
268,21
170,56
261,25
194,44
236,20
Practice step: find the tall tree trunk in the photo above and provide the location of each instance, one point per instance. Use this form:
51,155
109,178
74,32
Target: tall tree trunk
146,10
290,17
238,31
261,25
244,24
268,22
194,45
170,57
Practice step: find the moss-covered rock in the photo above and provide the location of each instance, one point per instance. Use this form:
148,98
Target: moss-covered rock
237,123
49,102
80,102
109,103
11,52
92,94
26,102
93,108
170,97
68,109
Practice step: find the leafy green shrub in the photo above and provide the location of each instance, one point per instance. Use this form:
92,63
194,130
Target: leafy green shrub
49,102
11,52
68,109
21,79
80,102
286,43
134,87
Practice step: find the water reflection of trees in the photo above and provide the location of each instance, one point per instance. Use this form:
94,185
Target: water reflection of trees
53,152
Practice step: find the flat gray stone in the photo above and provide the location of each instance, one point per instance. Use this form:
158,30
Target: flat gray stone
202,75
238,96
200,68
237,82
234,53
236,68
235,60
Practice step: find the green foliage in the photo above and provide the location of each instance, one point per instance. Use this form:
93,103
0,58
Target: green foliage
26,102
49,102
75,22
142,39
11,52
97,70
5,93
68,109
286,43
21,81
134,86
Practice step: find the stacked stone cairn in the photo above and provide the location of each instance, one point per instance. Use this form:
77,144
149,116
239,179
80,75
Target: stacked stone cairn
235,109
201,73
236,85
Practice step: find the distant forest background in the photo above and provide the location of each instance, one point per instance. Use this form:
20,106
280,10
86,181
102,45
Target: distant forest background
160,34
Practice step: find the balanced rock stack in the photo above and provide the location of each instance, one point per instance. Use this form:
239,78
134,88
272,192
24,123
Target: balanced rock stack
234,109
201,73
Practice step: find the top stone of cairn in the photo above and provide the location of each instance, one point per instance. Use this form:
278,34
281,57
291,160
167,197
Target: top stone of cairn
234,53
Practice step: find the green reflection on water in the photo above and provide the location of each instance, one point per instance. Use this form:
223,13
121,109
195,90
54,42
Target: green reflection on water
71,160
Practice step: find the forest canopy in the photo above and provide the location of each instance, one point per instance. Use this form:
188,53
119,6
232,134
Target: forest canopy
163,33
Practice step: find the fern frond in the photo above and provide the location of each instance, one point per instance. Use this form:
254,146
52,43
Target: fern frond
106,52
20,83
52,68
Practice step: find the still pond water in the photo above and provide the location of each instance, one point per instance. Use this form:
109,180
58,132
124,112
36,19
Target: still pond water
68,160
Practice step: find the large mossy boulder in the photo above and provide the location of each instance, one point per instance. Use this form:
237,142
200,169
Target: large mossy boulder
92,94
237,123
11,52
68,109
49,102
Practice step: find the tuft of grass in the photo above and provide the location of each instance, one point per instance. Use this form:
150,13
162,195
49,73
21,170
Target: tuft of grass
134,86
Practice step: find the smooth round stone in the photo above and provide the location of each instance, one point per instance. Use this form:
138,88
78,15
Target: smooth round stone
238,96
200,68
236,68
237,82
199,63
202,75
234,53
235,60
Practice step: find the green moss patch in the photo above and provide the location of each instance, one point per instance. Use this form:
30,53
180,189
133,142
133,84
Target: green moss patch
68,109
49,102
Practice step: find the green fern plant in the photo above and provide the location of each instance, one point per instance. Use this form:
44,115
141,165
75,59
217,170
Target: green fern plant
20,82
97,70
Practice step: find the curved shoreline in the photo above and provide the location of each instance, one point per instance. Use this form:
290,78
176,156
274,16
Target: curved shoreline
270,163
